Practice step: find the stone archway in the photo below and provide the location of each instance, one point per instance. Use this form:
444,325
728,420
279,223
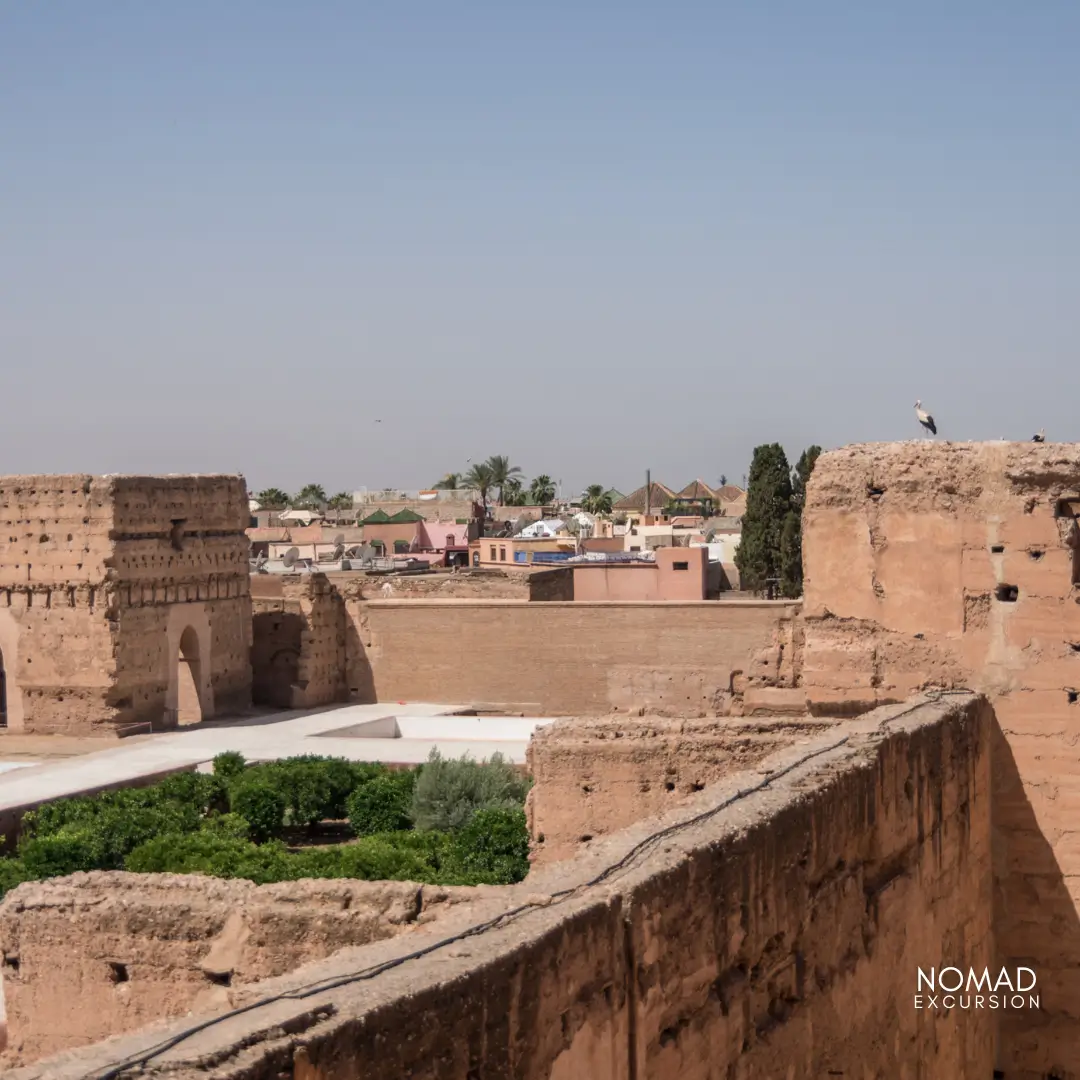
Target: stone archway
190,694
189,705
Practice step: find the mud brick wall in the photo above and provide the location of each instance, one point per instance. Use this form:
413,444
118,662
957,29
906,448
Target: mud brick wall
298,652
675,659
956,564
97,954
594,776
776,935
99,579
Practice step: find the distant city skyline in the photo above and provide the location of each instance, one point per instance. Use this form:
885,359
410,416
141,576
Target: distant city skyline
594,239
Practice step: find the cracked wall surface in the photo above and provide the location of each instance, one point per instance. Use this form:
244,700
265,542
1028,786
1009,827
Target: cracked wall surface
955,564
98,954
100,578
769,927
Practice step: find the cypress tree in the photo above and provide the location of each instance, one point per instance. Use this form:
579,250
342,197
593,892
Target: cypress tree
768,501
791,568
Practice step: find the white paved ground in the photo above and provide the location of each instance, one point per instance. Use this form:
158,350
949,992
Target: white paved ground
265,738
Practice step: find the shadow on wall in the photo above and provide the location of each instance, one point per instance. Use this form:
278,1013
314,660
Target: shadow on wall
277,637
358,666
1034,916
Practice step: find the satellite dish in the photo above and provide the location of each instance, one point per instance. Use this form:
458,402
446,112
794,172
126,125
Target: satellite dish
290,557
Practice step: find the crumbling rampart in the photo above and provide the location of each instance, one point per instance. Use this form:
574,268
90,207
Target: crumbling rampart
772,926
98,954
958,564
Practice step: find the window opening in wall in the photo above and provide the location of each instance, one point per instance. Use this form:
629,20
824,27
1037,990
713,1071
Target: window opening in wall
997,549
502,554
188,679
493,553
682,566
1007,594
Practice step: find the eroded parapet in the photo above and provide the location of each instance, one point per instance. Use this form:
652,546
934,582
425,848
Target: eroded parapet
772,926
595,776
94,955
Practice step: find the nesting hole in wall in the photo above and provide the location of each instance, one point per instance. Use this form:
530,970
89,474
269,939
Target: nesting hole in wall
118,973
874,492
669,785
997,549
219,978
1007,594
1035,554
11,963
1073,696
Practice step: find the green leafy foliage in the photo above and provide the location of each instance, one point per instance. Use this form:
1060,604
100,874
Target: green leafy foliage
261,805
448,792
382,804
491,849
768,500
229,824
229,765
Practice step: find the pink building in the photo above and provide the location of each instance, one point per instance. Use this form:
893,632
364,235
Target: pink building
677,574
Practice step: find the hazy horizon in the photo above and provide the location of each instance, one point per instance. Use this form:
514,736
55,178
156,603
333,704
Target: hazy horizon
595,238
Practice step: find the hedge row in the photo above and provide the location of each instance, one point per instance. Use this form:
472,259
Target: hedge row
470,828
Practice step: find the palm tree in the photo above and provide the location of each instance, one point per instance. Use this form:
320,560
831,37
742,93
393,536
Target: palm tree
513,493
341,501
502,472
596,500
542,490
481,479
272,498
311,497
450,482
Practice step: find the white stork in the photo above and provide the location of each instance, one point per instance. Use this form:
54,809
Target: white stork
1041,437
925,418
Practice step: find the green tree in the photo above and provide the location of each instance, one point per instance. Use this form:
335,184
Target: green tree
513,493
272,498
341,501
542,490
800,476
791,567
596,500
723,480
502,472
481,479
450,482
768,502
311,497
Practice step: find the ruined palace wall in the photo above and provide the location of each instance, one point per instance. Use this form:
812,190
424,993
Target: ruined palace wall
298,655
93,955
953,565
180,560
775,931
56,644
594,776
563,658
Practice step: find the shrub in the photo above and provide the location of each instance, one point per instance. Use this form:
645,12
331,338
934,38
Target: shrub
64,852
206,853
261,805
233,826
449,792
315,789
492,848
229,764
382,804
12,873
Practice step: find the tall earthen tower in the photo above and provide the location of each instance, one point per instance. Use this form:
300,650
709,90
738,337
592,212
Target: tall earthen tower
124,602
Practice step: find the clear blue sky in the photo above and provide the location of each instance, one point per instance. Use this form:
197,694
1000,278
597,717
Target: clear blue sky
594,236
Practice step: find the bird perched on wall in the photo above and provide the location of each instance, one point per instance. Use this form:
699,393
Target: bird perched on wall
1041,437
925,418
